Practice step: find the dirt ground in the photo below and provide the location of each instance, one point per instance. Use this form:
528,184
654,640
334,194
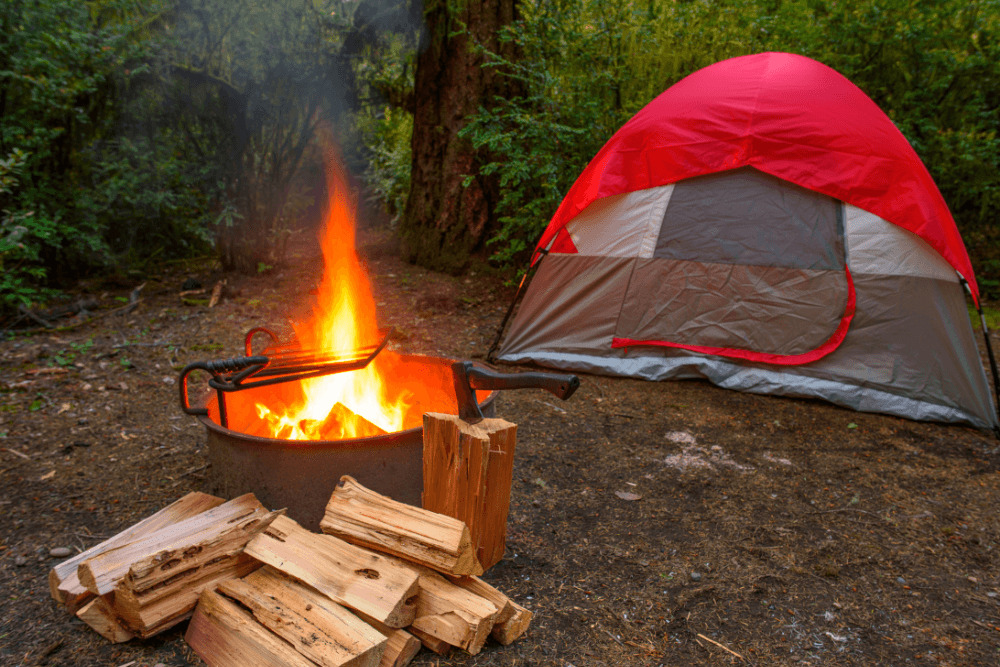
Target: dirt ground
669,523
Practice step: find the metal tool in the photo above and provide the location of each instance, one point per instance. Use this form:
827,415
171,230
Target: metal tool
469,377
277,363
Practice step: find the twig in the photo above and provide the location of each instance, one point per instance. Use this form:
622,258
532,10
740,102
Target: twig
35,318
847,509
153,344
48,650
983,625
724,648
17,453
189,472
554,407
613,637
92,537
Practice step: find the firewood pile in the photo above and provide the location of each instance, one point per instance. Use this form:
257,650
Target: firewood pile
382,580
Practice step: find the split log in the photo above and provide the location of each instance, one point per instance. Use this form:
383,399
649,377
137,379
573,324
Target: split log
99,615
363,517
100,573
450,613
224,634
148,607
64,583
512,619
319,628
400,650
513,627
358,579
157,580
401,647
439,646
468,470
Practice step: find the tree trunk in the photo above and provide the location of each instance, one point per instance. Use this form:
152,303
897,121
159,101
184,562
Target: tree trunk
446,221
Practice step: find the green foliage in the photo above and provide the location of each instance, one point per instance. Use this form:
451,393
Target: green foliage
387,140
58,65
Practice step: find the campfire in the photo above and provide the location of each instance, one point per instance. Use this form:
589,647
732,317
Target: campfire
389,394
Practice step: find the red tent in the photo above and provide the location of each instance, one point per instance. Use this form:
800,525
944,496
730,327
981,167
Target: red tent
763,225
785,115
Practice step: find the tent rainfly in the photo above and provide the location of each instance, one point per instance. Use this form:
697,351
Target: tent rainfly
761,224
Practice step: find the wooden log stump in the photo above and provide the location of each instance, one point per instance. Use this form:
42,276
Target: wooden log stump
468,469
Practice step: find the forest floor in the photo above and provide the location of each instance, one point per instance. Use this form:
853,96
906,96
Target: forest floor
670,523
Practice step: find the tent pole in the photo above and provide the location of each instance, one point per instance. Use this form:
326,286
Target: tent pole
491,354
993,367
989,354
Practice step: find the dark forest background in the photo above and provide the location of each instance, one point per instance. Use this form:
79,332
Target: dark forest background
136,132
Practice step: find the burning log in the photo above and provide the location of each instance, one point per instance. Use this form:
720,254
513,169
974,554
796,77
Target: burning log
157,580
64,583
358,579
339,423
319,628
363,517
467,475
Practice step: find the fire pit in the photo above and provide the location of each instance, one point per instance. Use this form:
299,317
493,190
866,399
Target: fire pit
301,475
286,423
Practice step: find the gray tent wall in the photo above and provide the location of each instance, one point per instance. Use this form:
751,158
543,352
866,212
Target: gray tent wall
744,260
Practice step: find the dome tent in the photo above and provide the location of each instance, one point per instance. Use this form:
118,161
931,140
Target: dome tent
761,224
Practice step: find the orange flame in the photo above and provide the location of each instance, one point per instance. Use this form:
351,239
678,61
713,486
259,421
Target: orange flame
351,404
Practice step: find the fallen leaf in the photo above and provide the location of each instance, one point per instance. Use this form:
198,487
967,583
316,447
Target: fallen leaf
628,495
63,408
48,475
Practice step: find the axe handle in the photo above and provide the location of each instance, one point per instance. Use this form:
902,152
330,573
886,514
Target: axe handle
469,377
